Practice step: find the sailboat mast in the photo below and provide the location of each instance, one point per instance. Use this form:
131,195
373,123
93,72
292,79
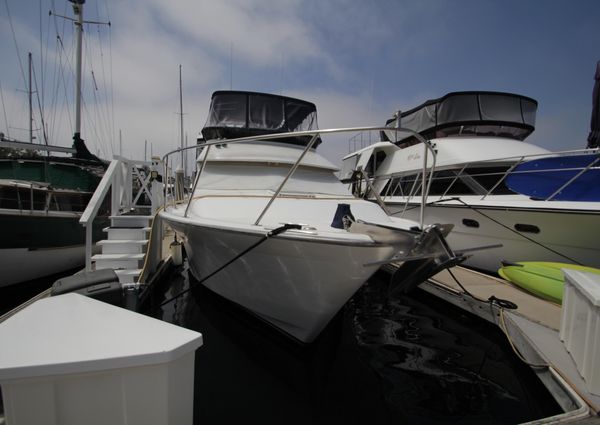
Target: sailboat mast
78,10
30,95
181,114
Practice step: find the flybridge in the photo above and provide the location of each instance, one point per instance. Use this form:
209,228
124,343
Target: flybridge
478,113
236,114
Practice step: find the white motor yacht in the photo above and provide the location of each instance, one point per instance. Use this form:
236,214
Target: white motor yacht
494,187
270,227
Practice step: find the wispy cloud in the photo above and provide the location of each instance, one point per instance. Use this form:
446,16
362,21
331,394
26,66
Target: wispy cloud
358,61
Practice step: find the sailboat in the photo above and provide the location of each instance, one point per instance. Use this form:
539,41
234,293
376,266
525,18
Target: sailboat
271,228
42,198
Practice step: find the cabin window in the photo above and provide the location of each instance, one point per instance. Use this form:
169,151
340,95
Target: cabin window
403,186
374,162
21,197
71,201
229,111
473,181
487,177
445,182
8,198
265,112
299,116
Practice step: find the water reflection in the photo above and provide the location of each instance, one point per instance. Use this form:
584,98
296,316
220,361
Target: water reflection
413,359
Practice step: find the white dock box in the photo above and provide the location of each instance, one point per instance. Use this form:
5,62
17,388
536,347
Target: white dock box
69,360
580,324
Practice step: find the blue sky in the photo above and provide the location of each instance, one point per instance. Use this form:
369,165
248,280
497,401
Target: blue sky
358,61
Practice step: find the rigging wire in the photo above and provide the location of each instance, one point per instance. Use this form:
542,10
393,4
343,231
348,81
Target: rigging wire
493,220
509,228
59,78
37,95
12,29
107,96
95,118
4,109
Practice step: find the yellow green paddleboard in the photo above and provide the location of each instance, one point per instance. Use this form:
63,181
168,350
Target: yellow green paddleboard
544,279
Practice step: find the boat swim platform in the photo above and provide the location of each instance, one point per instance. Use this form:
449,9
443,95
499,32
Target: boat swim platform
532,329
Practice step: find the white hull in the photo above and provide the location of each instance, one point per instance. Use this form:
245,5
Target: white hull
298,285
22,264
564,235
248,191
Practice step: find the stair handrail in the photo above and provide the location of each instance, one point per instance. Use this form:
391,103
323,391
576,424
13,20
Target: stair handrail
91,211
119,177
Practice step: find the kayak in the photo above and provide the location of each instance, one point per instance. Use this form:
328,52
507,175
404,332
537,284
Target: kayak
544,279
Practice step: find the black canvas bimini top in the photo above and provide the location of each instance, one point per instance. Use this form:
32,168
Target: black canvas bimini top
481,113
236,114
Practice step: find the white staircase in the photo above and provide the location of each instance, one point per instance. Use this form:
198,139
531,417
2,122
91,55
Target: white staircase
125,249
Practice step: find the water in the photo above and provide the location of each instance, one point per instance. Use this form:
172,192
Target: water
15,295
414,359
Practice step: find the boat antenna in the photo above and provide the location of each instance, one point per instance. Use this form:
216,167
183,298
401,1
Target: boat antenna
181,117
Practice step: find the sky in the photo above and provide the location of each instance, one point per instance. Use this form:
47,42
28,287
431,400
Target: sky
357,60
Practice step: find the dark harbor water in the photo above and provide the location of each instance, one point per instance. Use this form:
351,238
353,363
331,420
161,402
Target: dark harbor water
413,359
14,295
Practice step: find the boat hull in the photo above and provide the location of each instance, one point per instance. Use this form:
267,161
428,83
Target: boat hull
563,236
22,264
38,244
297,285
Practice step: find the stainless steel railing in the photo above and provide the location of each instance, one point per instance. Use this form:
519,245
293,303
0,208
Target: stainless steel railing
497,177
314,134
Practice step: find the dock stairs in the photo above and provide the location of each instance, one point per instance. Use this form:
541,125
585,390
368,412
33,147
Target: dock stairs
125,249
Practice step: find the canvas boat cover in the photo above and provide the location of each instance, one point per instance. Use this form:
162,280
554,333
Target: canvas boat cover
236,114
467,113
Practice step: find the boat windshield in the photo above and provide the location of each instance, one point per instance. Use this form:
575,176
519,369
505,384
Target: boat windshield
241,114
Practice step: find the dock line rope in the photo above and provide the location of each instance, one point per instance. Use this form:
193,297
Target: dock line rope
148,249
270,234
504,328
502,305
505,304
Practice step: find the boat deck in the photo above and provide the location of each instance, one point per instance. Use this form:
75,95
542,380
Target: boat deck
484,286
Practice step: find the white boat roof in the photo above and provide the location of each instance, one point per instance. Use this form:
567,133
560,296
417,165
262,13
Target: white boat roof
265,152
453,151
462,150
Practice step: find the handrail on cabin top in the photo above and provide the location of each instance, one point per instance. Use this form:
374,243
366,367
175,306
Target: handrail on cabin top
314,135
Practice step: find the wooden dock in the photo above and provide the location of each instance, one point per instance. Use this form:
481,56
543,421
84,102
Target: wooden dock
532,330
484,286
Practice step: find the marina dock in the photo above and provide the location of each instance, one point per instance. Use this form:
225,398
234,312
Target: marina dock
532,330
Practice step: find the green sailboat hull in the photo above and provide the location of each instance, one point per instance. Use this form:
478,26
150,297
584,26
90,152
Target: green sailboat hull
43,232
